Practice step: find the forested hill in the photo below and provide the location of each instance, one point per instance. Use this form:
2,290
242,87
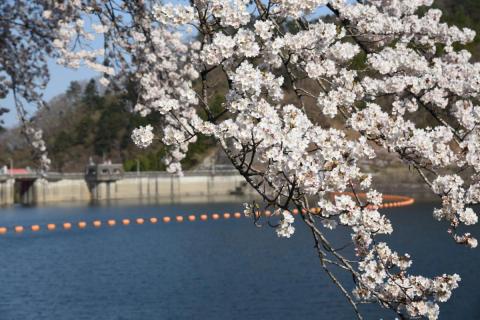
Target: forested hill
463,13
84,123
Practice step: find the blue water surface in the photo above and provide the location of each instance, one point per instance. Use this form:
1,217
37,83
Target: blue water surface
225,269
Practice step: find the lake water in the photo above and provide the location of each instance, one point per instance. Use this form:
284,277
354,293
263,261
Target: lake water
225,269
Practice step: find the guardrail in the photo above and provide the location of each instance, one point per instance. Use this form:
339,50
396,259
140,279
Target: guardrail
147,174
140,174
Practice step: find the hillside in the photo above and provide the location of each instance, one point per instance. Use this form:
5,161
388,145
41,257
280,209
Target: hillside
83,123
463,13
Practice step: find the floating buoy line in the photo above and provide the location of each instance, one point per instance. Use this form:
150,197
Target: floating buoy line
394,201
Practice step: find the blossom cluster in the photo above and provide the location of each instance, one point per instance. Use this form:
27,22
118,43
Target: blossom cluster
285,228
384,277
35,138
143,136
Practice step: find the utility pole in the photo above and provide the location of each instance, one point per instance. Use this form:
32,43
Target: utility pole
11,166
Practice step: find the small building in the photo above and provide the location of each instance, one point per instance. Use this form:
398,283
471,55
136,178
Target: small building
104,172
17,171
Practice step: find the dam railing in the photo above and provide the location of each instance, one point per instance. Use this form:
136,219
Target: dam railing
104,184
129,174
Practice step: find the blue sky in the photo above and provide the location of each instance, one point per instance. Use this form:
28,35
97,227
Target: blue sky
60,78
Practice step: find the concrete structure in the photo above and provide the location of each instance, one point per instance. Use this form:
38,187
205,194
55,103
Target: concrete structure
104,172
107,184
6,190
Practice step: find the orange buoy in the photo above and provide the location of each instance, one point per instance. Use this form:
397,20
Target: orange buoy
237,215
18,229
3,230
97,223
126,222
140,221
166,219
153,220
51,226
191,217
111,222
268,213
203,217
226,215
82,224
179,218
35,227
295,211
67,226
215,216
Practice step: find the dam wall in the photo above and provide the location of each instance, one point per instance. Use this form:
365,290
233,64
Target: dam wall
65,190
7,191
155,186
170,188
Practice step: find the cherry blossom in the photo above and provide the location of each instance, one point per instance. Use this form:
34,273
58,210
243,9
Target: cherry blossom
143,136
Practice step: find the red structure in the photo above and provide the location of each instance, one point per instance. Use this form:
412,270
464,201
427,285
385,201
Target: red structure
14,171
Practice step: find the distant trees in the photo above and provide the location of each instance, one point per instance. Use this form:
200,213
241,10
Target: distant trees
82,122
2,122
90,95
74,92
465,13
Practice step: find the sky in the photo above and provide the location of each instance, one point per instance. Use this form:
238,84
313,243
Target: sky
60,78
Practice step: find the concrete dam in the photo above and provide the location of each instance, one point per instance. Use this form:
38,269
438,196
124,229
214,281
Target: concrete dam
109,182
